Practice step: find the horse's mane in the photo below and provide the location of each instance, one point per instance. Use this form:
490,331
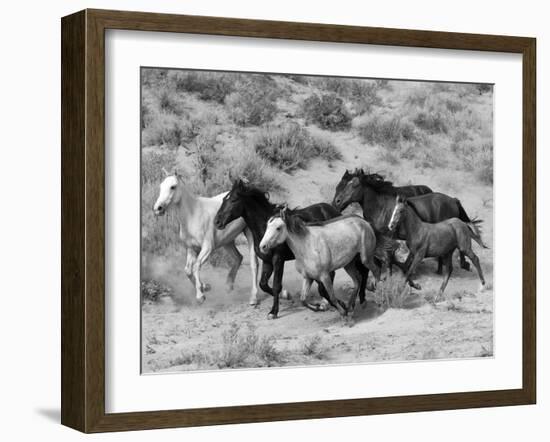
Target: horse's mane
373,180
294,223
252,193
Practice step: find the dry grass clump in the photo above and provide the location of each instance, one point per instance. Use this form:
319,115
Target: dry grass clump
312,346
327,111
241,346
389,292
289,147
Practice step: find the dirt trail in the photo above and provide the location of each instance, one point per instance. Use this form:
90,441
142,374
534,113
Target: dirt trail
179,335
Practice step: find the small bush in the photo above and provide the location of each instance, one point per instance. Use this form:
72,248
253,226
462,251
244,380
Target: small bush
289,147
209,86
387,131
390,292
244,348
364,95
432,122
484,88
313,347
166,130
152,162
327,112
253,104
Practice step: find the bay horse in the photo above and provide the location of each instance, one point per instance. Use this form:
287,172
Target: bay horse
195,218
377,198
435,240
323,247
253,205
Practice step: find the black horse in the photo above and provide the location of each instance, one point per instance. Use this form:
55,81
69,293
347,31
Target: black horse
406,191
255,208
377,198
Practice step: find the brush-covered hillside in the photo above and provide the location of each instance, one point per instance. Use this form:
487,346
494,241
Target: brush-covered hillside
294,136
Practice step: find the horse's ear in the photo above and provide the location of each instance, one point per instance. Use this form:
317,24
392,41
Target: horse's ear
166,173
176,173
347,173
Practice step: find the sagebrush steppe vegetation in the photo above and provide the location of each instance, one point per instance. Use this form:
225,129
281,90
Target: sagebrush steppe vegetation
294,136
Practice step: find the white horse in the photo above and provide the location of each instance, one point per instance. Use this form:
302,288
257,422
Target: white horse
195,216
321,248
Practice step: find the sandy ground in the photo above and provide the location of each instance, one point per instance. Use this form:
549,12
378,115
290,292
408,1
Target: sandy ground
177,331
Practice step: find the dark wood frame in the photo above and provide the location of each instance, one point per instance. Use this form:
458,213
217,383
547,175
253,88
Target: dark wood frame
83,216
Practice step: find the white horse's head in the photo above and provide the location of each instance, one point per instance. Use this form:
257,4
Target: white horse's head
169,193
276,233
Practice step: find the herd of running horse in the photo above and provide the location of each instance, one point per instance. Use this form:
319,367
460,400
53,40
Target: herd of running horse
319,238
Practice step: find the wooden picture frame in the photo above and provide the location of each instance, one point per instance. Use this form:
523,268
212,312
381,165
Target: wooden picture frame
83,220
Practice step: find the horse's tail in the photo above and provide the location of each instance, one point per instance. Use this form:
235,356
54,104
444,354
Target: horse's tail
384,245
475,231
462,215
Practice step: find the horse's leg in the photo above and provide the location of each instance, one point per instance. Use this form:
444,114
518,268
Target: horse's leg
253,267
356,277
463,263
327,282
448,259
417,259
236,260
204,254
364,276
278,267
439,266
306,286
267,270
189,263
404,266
475,260
325,301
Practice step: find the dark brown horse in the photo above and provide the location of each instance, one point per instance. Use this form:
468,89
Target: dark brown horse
377,198
439,240
254,207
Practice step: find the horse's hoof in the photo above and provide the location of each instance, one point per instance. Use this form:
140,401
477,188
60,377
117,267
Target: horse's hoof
200,300
230,287
271,316
253,303
416,286
205,287
481,288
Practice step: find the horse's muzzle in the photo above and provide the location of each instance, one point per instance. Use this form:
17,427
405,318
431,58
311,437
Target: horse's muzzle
159,211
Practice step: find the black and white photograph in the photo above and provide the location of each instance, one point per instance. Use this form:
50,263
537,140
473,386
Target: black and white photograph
293,220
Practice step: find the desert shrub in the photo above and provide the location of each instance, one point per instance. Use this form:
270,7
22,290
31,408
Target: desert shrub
433,122
152,162
208,86
364,95
390,292
387,131
152,290
166,130
242,348
290,146
388,157
454,106
205,155
484,88
313,347
417,97
484,164
168,103
252,105
327,111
